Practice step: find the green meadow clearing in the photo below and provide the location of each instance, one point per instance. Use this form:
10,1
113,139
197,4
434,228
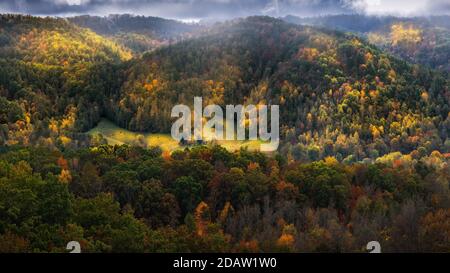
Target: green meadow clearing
115,135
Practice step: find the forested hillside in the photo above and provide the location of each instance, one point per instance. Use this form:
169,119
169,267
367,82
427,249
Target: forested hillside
422,40
54,79
338,95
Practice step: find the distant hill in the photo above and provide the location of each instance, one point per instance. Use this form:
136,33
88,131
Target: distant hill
138,33
422,40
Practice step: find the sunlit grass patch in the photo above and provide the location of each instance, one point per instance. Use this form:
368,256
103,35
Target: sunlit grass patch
115,135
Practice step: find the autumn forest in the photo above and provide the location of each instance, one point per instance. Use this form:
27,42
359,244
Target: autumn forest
364,126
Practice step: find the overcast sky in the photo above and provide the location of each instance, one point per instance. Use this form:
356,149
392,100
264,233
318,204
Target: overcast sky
219,9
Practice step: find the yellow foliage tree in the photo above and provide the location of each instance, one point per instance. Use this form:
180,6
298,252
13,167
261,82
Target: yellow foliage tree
405,34
287,238
65,177
202,217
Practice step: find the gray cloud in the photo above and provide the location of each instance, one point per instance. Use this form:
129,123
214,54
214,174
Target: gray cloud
439,6
202,9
